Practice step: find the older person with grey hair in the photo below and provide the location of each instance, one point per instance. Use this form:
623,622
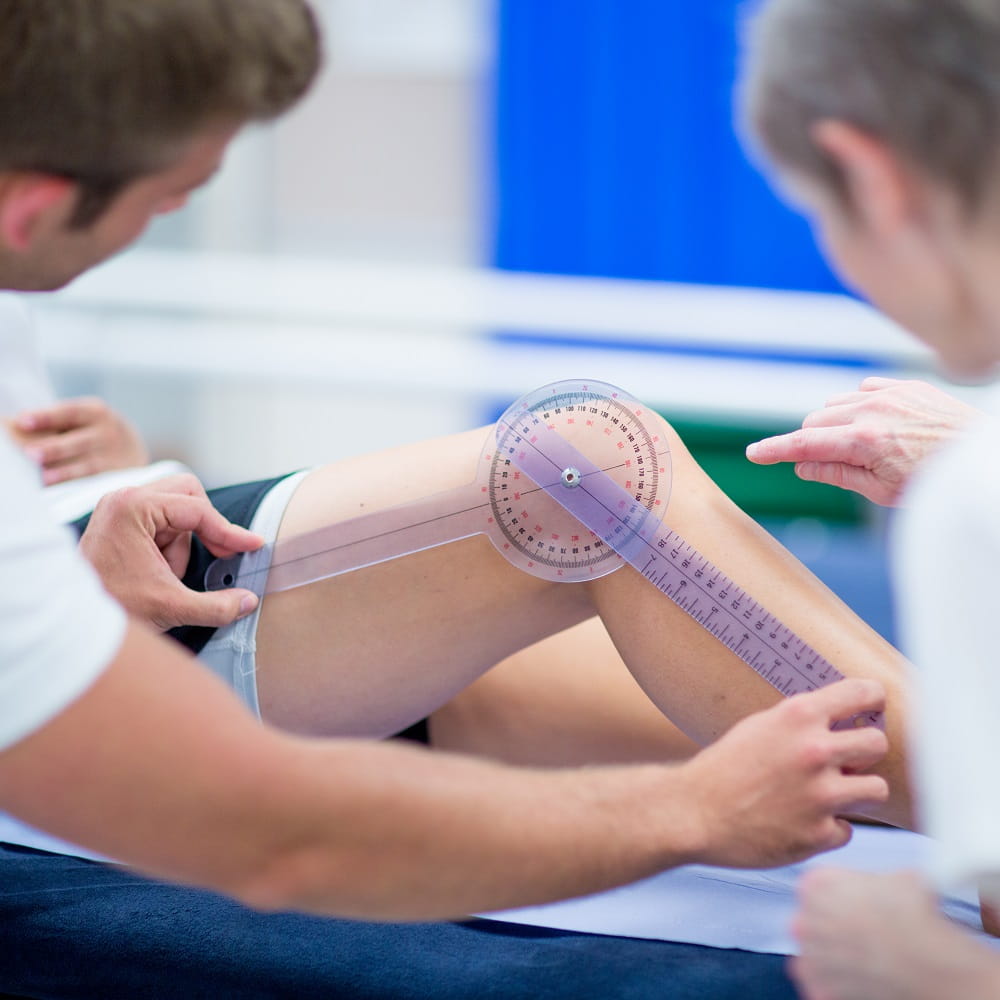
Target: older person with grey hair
882,118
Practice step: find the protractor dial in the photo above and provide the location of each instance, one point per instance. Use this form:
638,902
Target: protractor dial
620,437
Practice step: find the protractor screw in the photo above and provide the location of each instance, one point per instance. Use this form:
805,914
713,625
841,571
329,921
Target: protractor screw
571,477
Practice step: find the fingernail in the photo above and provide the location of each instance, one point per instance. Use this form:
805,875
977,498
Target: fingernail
35,454
753,450
26,423
247,605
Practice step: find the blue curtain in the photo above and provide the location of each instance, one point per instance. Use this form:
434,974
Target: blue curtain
616,152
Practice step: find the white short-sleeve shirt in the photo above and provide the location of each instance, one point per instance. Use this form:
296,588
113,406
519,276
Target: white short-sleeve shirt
58,628
947,571
24,382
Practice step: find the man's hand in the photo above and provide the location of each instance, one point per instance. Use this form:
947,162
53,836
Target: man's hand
78,437
772,790
139,541
870,441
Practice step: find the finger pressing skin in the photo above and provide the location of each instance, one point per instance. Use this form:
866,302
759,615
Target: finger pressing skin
863,790
817,444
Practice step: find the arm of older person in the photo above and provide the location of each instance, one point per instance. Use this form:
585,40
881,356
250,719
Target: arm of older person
870,441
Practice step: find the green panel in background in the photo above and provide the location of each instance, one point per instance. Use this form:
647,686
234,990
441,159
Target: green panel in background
763,491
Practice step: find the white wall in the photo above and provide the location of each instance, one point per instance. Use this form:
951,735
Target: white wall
383,159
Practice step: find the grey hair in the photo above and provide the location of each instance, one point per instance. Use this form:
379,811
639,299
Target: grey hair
921,75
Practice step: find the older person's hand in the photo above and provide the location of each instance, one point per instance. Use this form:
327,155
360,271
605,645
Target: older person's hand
870,441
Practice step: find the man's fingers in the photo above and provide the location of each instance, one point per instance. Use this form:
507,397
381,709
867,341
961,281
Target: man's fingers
183,483
840,833
859,749
847,698
184,513
214,609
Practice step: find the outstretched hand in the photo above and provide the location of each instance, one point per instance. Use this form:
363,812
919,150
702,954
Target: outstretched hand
870,441
78,437
139,541
773,790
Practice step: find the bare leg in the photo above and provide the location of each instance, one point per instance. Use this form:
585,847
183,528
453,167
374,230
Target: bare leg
370,652
881,937
566,700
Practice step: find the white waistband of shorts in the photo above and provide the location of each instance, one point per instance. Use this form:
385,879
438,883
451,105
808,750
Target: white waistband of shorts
231,653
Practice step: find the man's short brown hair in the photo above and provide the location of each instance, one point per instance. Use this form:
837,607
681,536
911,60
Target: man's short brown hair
105,91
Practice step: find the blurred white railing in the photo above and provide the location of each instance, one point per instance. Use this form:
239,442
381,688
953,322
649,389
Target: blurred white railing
299,360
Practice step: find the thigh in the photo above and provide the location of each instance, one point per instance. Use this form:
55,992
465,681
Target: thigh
369,652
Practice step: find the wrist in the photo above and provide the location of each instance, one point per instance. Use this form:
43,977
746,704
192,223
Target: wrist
690,811
664,804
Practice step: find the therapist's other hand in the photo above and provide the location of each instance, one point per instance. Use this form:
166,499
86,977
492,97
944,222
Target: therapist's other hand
139,541
78,437
870,441
773,789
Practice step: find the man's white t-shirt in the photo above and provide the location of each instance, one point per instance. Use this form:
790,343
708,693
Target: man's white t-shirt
947,565
24,382
59,630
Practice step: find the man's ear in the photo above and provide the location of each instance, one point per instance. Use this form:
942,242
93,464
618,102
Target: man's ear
32,204
879,186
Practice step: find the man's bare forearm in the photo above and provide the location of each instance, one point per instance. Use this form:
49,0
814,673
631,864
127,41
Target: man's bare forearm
423,835
157,764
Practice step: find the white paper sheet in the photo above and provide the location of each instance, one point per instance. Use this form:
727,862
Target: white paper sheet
728,908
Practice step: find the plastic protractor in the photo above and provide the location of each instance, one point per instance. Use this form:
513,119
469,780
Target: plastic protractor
620,437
